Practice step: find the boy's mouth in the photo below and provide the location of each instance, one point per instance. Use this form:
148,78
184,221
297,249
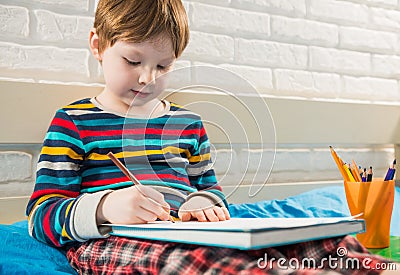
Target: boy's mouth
140,94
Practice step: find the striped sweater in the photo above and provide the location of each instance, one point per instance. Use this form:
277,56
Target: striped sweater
170,152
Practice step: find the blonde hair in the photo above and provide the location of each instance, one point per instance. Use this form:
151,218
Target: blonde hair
140,20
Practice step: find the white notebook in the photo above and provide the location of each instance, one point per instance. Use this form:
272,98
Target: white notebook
243,233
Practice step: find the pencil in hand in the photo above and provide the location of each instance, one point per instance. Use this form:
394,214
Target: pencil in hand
128,173
123,168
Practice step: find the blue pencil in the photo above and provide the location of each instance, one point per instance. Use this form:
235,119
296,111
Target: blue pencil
390,172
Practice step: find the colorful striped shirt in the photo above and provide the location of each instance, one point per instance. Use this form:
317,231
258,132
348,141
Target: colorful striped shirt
170,152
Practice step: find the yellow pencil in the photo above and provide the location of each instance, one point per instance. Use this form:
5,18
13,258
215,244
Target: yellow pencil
348,172
355,171
339,164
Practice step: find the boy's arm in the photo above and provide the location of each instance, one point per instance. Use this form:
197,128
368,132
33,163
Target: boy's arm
58,214
201,174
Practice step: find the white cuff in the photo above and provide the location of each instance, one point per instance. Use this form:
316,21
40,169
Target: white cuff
214,198
84,217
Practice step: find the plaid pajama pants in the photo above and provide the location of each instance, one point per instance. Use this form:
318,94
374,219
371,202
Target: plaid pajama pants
118,255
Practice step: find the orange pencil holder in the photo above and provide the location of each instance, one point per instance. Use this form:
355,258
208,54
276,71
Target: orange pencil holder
375,201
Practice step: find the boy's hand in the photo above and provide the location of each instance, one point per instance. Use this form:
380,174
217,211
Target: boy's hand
202,209
135,204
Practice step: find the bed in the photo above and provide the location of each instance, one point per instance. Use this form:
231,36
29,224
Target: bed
20,254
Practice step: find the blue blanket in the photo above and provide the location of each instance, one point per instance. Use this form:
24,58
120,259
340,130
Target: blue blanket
20,254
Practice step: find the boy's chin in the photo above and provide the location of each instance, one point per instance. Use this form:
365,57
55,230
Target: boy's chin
139,101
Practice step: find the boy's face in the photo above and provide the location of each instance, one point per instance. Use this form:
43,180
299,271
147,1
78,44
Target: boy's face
133,71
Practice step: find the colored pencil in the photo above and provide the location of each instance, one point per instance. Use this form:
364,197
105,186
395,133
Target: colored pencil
127,173
339,164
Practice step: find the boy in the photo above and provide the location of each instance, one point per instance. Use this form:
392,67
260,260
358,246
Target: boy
78,187
135,49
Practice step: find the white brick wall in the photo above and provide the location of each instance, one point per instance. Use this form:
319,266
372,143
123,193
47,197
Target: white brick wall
14,22
64,29
346,38
293,164
270,54
304,31
339,12
320,49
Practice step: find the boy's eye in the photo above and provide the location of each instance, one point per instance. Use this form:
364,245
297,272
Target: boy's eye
133,63
165,67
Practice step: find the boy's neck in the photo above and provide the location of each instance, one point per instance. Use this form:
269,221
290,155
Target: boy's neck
149,110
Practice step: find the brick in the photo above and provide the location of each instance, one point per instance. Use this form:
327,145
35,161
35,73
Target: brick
379,158
267,53
391,3
370,88
15,166
14,22
307,84
304,31
222,3
186,5
321,160
210,47
260,78
213,2
218,78
225,162
229,21
339,61
386,65
339,11
181,75
232,78
40,59
386,18
292,160
256,160
368,40
78,5
53,27
288,7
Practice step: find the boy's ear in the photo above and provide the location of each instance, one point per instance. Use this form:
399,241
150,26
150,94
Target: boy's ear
94,44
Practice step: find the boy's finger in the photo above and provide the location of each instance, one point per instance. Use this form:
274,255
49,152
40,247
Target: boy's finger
200,216
153,194
155,208
147,216
157,200
163,204
211,215
226,212
220,213
184,216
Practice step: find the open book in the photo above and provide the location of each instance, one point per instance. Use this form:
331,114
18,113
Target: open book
243,233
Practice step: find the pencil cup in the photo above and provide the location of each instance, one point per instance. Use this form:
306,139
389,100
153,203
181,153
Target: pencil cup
375,200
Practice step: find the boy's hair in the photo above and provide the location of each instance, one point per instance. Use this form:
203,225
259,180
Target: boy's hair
140,20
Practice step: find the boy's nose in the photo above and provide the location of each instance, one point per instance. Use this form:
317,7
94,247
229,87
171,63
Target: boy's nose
147,76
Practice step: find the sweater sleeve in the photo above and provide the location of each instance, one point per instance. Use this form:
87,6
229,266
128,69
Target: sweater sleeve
200,171
56,201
